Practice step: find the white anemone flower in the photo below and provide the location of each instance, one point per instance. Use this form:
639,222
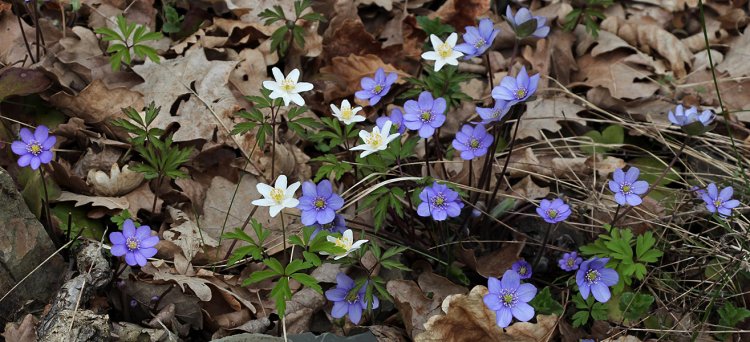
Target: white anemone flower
287,88
278,197
377,140
444,52
346,113
346,241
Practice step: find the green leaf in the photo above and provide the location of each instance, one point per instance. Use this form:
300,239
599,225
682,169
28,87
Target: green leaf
730,315
599,311
275,265
434,26
312,258
259,276
308,281
580,318
651,168
544,304
635,305
296,265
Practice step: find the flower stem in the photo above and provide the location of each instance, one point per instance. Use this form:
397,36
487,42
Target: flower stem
283,234
47,212
489,69
23,33
614,218
544,245
426,157
491,200
273,143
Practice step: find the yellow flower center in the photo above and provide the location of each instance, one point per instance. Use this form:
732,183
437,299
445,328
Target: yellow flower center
277,195
374,140
445,50
479,43
132,243
571,262
592,276
474,143
508,299
347,113
626,188
377,89
439,201
718,203
426,116
552,213
35,148
522,270
320,203
287,85
520,93
343,243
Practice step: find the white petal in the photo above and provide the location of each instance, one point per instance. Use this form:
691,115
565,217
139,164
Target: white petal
290,202
345,104
439,63
280,182
264,189
277,74
430,55
289,192
348,235
336,111
358,244
435,41
271,85
296,99
303,86
293,75
275,209
263,202
452,39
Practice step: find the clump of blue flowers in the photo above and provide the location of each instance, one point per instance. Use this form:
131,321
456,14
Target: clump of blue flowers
682,117
374,88
440,202
509,298
719,202
594,278
318,203
627,188
396,118
472,142
34,148
346,301
494,114
425,115
478,39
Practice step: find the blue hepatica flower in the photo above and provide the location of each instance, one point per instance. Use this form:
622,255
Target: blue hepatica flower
683,117
516,89
375,88
509,298
553,211
495,113
570,261
522,16
472,142
720,202
396,117
425,115
478,39
593,278
34,149
347,302
626,186
338,225
318,203
440,202
136,244
523,268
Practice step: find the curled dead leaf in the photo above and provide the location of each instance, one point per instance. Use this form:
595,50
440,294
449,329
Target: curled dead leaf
345,73
113,203
116,183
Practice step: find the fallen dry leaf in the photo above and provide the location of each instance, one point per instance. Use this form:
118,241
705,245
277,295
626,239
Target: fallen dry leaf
462,13
116,183
612,71
468,319
97,103
345,72
187,235
24,332
544,113
735,63
113,203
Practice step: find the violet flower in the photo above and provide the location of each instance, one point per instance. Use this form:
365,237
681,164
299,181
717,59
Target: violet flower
553,211
495,113
720,202
683,117
523,268
509,298
440,202
593,277
540,30
347,302
318,203
425,115
516,89
396,117
375,88
472,142
338,225
136,244
570,261
478,39
627,188
34,149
